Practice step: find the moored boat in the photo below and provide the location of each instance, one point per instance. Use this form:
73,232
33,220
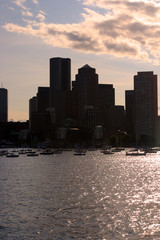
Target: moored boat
32,154
107,152
136,153
47,152
80,152
12,154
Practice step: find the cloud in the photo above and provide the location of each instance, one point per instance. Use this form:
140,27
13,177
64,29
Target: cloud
125,28
41,17
35,1
20,3
26,13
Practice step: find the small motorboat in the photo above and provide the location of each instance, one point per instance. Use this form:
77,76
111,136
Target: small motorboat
117,149
32,154
107,152
136,153
80,152
12,154
47,152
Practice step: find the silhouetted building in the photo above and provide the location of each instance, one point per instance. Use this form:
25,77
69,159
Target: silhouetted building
146,105
85,90
129,105
32,108
3,105
115,119
60,86
13,131
94,117
40,124
106,95
42,99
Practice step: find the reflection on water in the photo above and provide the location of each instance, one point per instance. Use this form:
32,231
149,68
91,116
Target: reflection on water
94,196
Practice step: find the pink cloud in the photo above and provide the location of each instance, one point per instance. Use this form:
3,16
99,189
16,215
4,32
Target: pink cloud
124,29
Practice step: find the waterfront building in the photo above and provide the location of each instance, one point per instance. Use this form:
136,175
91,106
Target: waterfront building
106,95
115,119
32,108
60,87
42,98
85,90
41,124
3,105
129,107
146,106
94,117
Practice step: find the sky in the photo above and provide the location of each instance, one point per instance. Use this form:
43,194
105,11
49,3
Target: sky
118,38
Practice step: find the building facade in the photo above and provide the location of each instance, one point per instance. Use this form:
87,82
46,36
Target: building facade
106,95
129,107
32,108
85,90
146,106
42,99
3,105
60,87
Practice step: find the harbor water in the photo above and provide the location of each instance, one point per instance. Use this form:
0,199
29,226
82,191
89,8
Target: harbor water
95,196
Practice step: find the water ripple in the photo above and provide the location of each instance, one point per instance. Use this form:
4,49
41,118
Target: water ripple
91,197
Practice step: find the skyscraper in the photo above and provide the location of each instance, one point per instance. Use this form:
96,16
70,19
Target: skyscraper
129,104
146,105
106,95
32,108
42,99
3,105
86,90
60,86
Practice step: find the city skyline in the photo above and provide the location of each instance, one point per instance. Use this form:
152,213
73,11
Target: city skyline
26,49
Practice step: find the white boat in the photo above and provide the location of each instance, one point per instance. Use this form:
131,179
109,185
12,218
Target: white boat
136,153
12,155
32,154
22,151
47,152
80,152
117,149
107,152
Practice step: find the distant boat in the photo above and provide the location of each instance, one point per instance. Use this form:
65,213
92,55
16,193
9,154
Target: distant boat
107,152
22,151
12,155
136,153
32,154
58,151
80,152
47,152
92,149
150,150
117,149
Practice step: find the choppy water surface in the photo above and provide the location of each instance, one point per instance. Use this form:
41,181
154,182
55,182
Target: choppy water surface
95,196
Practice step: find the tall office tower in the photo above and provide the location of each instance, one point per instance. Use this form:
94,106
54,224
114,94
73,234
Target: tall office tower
60,86
32,109
115,119
3,105
42,99
106,95
129,106
146,105
86,90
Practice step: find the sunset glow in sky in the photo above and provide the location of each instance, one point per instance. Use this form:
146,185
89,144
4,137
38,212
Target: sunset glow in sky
118,38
